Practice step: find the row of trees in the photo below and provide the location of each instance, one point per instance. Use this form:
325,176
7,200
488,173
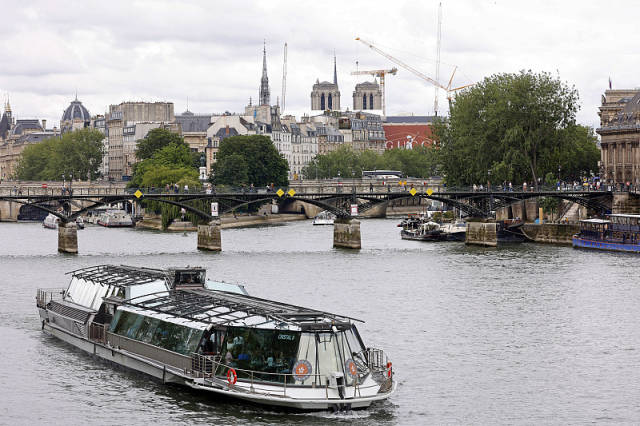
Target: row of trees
77,154
508,128
345,162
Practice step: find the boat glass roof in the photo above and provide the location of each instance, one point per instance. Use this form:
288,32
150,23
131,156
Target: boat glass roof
224,308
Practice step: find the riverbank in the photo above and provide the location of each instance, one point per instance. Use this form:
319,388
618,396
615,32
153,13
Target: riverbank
226,221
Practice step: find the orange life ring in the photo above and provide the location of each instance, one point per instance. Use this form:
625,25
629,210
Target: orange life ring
389,369
232,376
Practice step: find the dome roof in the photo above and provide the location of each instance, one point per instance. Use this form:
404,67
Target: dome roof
76,111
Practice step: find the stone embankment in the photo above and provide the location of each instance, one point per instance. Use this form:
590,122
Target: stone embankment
552,233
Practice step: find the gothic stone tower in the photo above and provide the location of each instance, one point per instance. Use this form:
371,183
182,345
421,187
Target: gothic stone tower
367,95
326,95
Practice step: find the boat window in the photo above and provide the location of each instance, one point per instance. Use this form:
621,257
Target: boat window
307,351
327,355
166,335
272,352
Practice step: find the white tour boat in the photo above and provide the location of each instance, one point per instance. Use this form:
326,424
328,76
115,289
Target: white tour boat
181,328
115,219
324,218
52,221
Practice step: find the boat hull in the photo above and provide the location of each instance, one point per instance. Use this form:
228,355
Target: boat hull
604,245
240,391
422,237
115,225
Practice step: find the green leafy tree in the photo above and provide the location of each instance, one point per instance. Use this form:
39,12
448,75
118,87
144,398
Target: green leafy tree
232,170
417,162
77,153
264,164
168,165
508,127
155,140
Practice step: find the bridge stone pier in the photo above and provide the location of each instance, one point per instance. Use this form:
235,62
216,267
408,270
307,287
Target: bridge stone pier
209,237
68,237
346,233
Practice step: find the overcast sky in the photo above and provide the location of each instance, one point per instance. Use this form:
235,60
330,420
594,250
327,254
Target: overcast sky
210,52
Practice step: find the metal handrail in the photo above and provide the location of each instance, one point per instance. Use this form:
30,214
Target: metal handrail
198,359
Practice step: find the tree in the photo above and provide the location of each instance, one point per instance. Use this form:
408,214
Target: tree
264,164
155,140
507,127
168,165
77,153
232,170
417,162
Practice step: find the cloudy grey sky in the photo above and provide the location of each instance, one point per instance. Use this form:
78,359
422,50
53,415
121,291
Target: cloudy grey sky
210,51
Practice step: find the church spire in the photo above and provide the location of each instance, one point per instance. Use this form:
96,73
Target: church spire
335,72
264,81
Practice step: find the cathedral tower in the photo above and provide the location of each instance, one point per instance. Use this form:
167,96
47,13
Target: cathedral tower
264,97
326,95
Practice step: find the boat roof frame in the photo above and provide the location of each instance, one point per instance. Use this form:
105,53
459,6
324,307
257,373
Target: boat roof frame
119,275
193,304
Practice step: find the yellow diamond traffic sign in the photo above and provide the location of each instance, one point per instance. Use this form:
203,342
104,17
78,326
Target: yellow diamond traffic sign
413,191
291,192
429,191
280,192
138,194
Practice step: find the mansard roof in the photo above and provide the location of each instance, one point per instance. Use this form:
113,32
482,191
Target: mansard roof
191,122
25,125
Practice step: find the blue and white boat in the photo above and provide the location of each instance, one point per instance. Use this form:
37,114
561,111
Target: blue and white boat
619,232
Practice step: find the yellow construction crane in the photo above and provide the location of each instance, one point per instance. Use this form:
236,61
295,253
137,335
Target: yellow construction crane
380,74
447,88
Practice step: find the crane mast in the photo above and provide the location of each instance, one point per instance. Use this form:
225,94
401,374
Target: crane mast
284,78
435,100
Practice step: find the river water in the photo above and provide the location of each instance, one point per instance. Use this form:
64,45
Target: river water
520,334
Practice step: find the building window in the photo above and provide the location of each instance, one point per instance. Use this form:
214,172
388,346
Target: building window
322,101
330,101
364,101
371,101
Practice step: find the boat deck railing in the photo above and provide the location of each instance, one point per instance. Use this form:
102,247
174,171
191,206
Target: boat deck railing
211,368
46,295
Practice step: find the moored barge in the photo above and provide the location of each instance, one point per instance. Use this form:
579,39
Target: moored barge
179,327
619,232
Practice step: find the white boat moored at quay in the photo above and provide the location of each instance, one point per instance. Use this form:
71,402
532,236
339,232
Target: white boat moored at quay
324,218
52,221
178,326
115,219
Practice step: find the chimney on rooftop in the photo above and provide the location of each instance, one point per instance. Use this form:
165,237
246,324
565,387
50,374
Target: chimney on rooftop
226,130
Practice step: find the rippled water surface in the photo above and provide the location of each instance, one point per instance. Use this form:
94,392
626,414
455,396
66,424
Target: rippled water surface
520,334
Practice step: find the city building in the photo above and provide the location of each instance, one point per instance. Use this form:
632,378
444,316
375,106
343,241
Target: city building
122,143
326,95
620,137
75,117
367,96
15,136
407,131
193,128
